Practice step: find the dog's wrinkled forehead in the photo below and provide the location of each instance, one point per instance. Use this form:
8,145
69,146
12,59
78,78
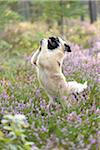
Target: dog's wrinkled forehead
53,42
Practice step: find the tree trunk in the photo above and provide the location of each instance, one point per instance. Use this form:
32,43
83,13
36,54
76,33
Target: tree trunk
24,9
62,19
82,17
92,11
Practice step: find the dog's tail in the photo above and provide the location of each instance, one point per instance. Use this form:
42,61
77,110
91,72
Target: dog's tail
82,87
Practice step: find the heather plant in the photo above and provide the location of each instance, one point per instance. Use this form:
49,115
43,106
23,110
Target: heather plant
23,36
75,127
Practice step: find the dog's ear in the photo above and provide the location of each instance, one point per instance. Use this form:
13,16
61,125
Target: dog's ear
53,43
67,48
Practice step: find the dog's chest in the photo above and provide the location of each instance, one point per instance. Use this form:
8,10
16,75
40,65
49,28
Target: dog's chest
47,82
42,76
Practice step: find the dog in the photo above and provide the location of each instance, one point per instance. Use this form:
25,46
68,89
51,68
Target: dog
48,60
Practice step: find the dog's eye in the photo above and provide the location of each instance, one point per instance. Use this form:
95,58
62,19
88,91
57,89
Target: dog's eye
67,48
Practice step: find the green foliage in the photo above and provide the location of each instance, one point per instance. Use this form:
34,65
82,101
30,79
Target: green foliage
7,14
4,45
17,139
56,9
67,8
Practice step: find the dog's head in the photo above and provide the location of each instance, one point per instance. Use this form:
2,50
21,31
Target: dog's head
54,43
51,49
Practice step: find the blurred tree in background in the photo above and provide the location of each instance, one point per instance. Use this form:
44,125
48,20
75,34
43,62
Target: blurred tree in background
56,14
59,10
8,13
49,11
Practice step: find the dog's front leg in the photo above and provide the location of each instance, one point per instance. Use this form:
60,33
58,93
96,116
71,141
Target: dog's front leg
34,57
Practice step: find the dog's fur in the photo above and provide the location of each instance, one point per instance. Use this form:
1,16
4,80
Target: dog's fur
48,61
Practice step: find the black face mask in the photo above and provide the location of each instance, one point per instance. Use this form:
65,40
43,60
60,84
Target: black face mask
53,43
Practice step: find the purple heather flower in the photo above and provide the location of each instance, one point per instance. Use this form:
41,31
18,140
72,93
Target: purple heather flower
74,117
98,133
4,95
97,111
38,93
64,98
93,108
34,147
92,140
43,129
